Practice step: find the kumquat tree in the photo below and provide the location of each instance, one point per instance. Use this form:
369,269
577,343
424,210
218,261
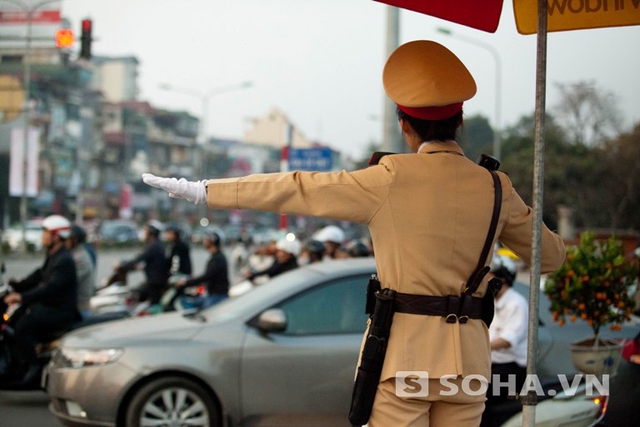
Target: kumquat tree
593,284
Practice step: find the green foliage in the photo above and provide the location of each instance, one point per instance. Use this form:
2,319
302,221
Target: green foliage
477,136
593,284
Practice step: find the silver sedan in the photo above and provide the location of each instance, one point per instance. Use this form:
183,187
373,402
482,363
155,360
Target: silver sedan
283,354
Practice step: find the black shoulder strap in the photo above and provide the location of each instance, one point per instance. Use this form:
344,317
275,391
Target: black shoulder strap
481,270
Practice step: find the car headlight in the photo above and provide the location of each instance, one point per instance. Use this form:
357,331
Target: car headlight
84,357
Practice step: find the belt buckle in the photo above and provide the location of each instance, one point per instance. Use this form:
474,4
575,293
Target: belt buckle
451,318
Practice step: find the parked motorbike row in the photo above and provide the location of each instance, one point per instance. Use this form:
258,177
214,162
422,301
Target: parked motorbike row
114,300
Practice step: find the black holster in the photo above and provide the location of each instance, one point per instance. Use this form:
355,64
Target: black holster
372,359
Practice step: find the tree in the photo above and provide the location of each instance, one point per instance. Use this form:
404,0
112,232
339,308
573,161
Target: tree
517,160
477,136
619,195
589,115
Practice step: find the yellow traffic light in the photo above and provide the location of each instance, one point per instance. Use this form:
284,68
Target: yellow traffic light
65,38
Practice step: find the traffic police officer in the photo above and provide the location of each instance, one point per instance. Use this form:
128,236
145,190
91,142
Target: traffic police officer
428,213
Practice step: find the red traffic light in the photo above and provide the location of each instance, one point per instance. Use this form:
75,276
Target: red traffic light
86,26
86,39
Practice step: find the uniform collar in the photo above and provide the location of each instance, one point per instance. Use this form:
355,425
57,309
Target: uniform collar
440,146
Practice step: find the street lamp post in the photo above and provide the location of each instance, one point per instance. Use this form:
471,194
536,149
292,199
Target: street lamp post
204,106
204,100
496,56
26,78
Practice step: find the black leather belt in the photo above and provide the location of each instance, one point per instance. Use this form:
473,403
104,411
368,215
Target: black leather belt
452,307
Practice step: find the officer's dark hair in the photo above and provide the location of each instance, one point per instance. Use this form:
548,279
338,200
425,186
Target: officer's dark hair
433,130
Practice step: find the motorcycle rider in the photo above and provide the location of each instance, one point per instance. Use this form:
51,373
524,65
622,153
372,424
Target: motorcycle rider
216,274
312,252
332,237
85,268
178,257
287,252
48,296
508,340
155,264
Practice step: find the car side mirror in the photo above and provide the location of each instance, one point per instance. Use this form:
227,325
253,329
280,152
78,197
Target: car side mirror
272,320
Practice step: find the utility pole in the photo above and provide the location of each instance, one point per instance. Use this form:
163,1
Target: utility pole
392,137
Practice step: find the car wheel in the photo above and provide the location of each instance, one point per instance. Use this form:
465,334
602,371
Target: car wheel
172,401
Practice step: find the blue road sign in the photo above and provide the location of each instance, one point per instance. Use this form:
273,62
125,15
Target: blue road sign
310,159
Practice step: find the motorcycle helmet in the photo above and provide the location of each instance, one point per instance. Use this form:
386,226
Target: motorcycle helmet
57,225
314,247
503,268
357,249
290,246
330,233
213,237
154,227
78,233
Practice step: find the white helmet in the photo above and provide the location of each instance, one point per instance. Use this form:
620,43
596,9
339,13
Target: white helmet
330,233
290,246
57,224
504,268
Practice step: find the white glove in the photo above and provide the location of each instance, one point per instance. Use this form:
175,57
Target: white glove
195,192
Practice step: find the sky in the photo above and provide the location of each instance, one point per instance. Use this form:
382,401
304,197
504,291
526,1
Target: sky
320,61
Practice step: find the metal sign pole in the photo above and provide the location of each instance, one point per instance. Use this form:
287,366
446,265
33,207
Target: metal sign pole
530,400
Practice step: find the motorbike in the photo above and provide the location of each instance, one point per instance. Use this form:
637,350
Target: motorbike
116,295
9,380
576,403
176,298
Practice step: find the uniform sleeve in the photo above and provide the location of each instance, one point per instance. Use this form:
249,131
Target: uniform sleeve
350,196
518,230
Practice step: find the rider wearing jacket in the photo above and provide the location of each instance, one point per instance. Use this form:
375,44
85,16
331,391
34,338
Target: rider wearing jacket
48,296
215,276
155,265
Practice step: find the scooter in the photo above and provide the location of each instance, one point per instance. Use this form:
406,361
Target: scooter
174,299
115,295
576,403
31,380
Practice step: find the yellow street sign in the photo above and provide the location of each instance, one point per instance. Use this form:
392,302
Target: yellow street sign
565,15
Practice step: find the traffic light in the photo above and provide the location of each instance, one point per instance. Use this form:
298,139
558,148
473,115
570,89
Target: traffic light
64,38
85,39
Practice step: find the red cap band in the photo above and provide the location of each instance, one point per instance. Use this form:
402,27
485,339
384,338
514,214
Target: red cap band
433,113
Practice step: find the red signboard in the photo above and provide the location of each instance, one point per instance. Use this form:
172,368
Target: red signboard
37,17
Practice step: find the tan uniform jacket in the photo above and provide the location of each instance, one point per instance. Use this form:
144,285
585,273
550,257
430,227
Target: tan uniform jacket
428,215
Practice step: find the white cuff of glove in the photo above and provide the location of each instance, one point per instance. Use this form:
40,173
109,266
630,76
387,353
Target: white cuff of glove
193,191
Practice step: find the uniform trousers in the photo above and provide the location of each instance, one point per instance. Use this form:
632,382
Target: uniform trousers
433,410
